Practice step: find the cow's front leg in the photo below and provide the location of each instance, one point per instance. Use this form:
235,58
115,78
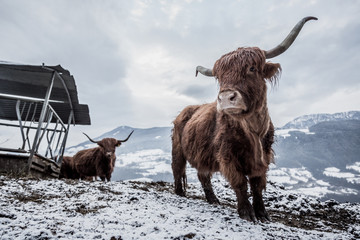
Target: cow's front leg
205,179
238,182
245,209
108,177
257,186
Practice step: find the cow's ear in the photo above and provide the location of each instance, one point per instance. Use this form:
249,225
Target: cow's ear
271,71
118,143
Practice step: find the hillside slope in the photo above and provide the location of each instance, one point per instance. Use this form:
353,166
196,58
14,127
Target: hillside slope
57,209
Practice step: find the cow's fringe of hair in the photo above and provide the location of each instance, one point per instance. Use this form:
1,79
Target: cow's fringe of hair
238,59
274,80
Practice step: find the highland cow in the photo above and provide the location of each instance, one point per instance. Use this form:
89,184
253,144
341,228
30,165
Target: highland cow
234,134
67,169
98,161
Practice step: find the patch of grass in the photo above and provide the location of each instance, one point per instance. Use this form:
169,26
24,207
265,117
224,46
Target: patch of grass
86,210
105,189
33,197
186,236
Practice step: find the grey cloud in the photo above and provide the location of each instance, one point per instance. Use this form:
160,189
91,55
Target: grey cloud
202,92
96,41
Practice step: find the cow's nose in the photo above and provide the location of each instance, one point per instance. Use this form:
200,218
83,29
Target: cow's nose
228,96
230,99
109,154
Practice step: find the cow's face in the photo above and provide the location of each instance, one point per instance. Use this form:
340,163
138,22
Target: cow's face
108,146
242,76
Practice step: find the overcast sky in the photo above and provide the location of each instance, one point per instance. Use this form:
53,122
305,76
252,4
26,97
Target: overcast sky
134,61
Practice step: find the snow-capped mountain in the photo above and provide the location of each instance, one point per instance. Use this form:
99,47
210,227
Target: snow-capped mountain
307,121
141,139
321,160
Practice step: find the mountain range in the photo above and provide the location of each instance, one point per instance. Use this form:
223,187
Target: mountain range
307,121
316,154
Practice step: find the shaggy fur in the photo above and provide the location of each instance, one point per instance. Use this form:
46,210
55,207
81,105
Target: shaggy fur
238,144
67,169
98,161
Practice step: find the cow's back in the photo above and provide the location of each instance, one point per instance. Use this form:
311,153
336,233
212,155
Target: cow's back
194,130
67,169
85,162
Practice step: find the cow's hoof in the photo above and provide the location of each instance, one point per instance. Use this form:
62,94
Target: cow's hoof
213,200
247,213
181,193
263,216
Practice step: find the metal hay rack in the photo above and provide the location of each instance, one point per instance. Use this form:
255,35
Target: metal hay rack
42,102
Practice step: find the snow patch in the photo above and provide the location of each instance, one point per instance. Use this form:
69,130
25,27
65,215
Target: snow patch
335,172
286,132
147,160
355,167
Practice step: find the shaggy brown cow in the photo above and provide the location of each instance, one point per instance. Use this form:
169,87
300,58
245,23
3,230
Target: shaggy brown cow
234,134
98,161
67,169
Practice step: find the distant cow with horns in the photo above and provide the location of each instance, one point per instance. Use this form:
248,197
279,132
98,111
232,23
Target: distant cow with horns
234,134
98,161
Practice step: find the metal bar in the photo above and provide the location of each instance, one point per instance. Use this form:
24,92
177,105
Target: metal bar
58,141
42,115
13,150
15,125
30,99
33,116
18,114
68,94
28,112
49,115
27,136
51,138
30,124
23,108
65,137
66,89
27,129
57,116
48,148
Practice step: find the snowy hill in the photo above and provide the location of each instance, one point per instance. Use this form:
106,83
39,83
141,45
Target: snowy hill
321,160
65,209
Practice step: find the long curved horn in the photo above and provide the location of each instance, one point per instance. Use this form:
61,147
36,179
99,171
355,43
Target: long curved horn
204,71
90,138
282,47
127,137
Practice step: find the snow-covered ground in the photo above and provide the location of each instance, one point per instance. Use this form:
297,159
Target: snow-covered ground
58,209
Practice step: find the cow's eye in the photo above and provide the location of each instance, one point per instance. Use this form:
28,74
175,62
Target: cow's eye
252,69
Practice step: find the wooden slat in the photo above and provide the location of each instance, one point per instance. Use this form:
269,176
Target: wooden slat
13,150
